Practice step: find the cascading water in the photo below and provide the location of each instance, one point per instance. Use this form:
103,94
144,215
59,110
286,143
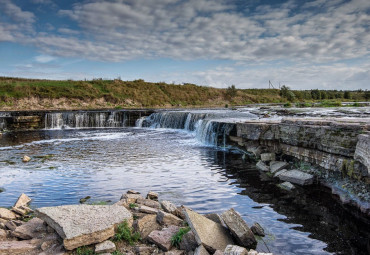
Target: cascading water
2,124
109,119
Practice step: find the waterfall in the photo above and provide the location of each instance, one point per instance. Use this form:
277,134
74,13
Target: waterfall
2,124
106,119
213,132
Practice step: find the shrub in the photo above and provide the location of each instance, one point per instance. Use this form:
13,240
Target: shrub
124,232
176,238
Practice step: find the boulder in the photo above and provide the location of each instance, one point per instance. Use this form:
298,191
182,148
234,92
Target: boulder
17,247
218,252
147,209
81,225
188,242
167,219
211,235
286,186
235,250
30,229
7,214
262,166
13,224
297,177
201,250
131,198
104,247
280,172
23,200
239,228
163,237
133,192
257,229
276,166
26,158
268,157
169,207
152,196
146,225
214,217
148,202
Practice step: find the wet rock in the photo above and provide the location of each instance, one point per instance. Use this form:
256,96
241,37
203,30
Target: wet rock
211,235
168,219
257,229
174,252
276,166
239,228
201,250
286,186
81,225
169,207
26,158
152,196
146,225
297,177
163,238
280,172
23,200
235,250
133,192
30,229
147,209
106,246
17,247
362,153
262,166
7,214
188,242
148,202
268,157
131,198
84,200
214,217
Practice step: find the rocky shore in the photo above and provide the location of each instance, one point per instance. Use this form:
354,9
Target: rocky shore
133,225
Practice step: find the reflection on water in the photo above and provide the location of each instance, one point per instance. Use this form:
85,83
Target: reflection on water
104,164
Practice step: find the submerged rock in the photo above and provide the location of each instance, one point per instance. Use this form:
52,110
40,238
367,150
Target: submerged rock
286,186
81,225
297,177
257,229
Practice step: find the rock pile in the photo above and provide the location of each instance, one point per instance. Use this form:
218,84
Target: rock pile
161,227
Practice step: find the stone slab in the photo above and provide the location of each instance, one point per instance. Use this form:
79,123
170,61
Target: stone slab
276,166
208,233
169,207
23,200
268,157
262,166
297,177
7,214
163,238
104,247
168,219
17,247
81,225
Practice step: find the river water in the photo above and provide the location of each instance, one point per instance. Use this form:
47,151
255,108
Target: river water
183,166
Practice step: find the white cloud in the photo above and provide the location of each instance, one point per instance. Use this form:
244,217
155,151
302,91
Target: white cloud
16,13
44,58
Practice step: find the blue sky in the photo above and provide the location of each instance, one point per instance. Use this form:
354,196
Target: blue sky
303,44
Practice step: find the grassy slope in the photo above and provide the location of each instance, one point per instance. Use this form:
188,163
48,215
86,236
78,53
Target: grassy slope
125,94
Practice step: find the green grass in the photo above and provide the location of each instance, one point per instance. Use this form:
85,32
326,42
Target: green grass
330,104
133,205
176,238
84,250
125,232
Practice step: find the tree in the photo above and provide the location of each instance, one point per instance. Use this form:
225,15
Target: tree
347,94
231,91
367,95
287,93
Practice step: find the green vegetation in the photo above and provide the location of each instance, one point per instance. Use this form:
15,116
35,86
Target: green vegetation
84,250
117,253
133,205
176,238
330,104
124,232
17,93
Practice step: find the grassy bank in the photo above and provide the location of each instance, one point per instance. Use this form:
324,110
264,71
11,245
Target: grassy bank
17,94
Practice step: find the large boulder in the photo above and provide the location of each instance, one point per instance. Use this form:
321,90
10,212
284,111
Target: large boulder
168,219
211,235
31,229
81,225
188,242
297,177
163,238
239,228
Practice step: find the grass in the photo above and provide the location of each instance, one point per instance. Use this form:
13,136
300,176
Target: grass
133,205
125,232
84,250
176,238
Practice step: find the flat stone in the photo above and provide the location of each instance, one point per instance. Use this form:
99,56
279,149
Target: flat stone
23,200
167,219
276,166
148,202
257,229
147,209
13,224
201,250
163,238
131,198
7,214
152,196
268,157
146,225
286,186
169,207
106,246
30,229
81,225
239,228
297,177
262,166
211,235
235,250
188,242
17,247
144,250
280,172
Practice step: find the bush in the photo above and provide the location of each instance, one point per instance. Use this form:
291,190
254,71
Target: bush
124,232
176,238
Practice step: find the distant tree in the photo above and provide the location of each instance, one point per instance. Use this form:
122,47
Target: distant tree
315,94
323,94
287,93
231,91
367,95
347,94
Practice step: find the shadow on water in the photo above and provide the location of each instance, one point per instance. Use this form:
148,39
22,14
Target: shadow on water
314,208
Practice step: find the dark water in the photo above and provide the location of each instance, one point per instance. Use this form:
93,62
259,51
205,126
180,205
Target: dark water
105,163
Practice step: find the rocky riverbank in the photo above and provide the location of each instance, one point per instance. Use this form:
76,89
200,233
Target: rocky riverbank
133,225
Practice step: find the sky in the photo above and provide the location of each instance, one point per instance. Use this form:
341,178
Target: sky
322,44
